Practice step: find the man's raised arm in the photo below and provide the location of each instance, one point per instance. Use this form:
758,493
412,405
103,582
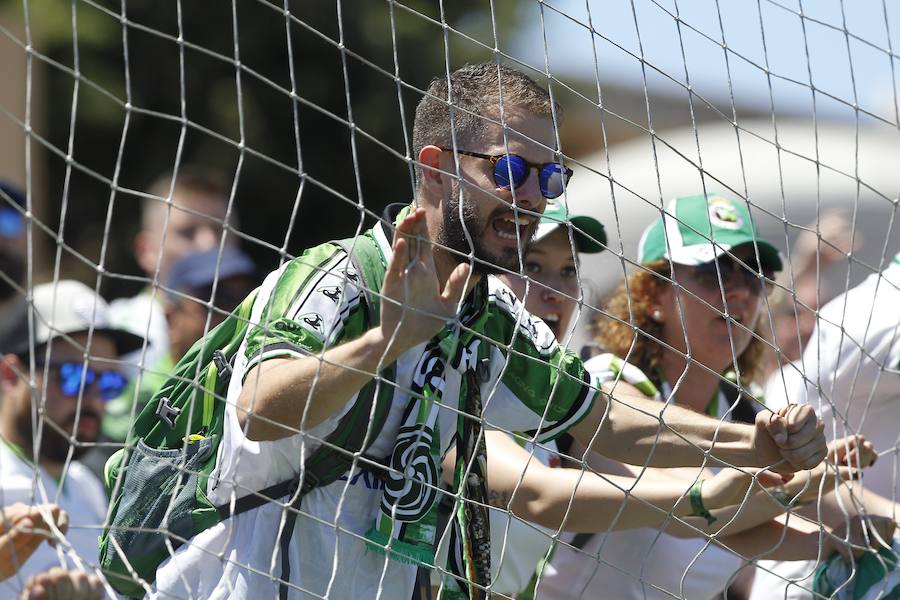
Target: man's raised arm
632,428
277,392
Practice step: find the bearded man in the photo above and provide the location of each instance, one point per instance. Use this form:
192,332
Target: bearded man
54,385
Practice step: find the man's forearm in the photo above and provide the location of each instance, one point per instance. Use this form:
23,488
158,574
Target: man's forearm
573,500
275,398
631,432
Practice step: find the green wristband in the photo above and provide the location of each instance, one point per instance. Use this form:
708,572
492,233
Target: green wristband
697,508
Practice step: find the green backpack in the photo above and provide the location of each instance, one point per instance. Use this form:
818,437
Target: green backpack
157,483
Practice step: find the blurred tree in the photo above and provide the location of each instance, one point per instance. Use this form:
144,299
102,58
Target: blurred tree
174,59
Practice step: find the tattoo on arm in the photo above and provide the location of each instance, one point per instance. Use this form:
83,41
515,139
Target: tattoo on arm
499,499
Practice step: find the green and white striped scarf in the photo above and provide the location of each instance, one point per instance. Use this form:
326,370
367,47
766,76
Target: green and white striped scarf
405,528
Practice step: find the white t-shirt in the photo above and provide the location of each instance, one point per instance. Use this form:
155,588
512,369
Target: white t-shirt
328,556
517,546
854,385
639,563
81,495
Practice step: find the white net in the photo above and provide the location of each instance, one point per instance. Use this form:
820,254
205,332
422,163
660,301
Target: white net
327,439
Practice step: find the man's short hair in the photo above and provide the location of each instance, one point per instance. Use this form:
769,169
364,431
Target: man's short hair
474,98
202,182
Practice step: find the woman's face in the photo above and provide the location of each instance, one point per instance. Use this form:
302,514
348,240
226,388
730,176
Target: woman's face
550,265
714,340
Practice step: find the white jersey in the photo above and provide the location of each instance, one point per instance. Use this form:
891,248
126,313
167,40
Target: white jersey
81,495
328,555
638,564
851,363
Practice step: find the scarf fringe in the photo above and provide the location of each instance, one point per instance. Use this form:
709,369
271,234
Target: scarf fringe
400,551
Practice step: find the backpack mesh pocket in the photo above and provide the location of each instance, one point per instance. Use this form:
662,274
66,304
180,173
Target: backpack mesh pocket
159,494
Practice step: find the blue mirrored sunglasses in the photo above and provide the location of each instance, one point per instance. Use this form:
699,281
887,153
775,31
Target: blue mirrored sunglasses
109,383
511,171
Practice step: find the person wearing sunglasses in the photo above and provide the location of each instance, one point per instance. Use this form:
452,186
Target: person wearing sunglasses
54,386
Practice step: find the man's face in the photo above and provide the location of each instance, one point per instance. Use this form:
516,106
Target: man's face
498,221
194,225
67,422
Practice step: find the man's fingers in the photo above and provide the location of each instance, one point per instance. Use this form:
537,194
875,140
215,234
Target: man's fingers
809,430
406,229
399,260
418,234
805,457
456,284
11,513
798,417
25,539
777,428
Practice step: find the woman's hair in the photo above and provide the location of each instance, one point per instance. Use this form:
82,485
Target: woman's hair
629,332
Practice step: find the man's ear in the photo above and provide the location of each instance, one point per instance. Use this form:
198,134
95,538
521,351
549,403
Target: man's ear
430,165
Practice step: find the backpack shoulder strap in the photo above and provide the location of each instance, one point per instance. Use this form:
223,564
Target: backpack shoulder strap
366,258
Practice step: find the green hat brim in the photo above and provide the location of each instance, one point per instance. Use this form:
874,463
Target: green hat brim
589,233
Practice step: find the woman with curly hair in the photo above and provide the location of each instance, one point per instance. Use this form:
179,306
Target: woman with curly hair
690,322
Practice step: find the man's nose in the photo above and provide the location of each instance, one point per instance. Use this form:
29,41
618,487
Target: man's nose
528,196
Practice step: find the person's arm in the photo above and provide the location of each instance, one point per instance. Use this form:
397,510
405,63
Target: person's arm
571,499
627,426
762,505
587,502
275,398
791,538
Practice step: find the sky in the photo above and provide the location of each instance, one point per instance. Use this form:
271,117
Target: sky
843,48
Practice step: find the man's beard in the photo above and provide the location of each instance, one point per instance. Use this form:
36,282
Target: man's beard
13,267
453,236
54,444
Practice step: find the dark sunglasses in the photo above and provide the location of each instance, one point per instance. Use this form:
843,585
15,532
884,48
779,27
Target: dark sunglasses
109,383
511,171
707,274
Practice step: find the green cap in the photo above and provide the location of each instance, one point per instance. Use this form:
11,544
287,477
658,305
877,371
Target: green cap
588,232
699,229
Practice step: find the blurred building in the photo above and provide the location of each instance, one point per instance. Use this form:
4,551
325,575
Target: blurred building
790,170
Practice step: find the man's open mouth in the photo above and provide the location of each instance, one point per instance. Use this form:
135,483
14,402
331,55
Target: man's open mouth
511,228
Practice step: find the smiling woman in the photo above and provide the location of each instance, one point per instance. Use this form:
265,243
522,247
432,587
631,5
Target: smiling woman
691,320
690,298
